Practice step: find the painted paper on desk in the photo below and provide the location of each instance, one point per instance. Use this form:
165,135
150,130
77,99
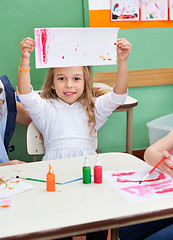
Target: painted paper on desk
13,186
62,47
154,10
124,10
157,185
171,9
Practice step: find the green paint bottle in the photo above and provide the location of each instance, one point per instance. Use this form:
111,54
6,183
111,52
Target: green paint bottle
86,172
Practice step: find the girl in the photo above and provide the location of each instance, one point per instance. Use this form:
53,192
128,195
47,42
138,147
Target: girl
67,114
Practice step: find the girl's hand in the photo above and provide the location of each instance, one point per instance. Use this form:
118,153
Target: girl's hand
27,47
167,165
123,49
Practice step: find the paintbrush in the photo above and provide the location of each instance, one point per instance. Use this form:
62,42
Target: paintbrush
37,180
155,167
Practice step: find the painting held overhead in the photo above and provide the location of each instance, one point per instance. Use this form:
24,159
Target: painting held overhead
62,47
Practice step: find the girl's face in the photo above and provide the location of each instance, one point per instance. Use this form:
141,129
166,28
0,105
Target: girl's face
68,83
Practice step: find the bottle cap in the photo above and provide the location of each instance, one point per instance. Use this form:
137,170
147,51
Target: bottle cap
98,161
86,163
50,168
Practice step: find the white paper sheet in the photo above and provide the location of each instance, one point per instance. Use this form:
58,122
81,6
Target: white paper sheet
13,186
171,9
62,47
156,186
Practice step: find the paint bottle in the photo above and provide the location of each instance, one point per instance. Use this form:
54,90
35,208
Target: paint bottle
98,171
86,172
50,179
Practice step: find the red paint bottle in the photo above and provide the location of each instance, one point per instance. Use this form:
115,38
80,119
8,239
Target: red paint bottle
98,171
50,178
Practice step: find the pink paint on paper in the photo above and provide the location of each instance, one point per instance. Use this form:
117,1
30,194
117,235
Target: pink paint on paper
165,190
147,189
44,44
122,174
38,45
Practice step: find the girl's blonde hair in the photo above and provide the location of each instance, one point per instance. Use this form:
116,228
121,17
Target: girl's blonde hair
86,99
1,102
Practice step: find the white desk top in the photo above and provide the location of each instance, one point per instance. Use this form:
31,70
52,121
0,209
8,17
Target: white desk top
76,207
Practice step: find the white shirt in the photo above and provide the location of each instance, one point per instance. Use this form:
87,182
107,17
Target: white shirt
65,127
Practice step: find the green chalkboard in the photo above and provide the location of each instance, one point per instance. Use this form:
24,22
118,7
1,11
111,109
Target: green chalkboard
18,19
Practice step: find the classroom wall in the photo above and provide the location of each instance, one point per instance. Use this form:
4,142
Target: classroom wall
152,48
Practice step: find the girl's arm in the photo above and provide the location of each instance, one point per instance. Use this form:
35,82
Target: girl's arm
12,162
26,47
158,150
123,51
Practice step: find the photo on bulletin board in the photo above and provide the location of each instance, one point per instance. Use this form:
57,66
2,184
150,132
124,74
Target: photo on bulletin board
171,9
124,10
156,10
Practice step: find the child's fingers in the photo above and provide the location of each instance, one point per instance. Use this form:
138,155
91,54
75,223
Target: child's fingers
166,155
125,45
27,47
166,169
28,41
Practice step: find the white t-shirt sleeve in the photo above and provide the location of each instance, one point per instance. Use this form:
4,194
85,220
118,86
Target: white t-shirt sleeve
105,105
35,106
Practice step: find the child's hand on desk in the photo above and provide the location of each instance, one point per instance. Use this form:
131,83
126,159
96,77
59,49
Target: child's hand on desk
123,49
167,164
12,162
27,47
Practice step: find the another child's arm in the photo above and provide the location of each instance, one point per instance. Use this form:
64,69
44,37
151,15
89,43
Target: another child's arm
22,115
26,47
12,162
123,51
158,150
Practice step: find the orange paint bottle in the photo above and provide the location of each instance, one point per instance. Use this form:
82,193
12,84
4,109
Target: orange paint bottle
50,179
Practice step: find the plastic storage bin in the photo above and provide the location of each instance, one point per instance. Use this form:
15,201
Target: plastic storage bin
160,127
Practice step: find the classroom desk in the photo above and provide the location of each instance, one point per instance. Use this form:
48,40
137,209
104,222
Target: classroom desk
127,106
75,208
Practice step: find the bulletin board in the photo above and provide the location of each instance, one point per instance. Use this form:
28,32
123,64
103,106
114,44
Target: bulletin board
150,62
100,14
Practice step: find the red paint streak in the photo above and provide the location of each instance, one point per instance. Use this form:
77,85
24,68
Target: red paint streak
122,174
44,41
160,177
62,57
165,190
